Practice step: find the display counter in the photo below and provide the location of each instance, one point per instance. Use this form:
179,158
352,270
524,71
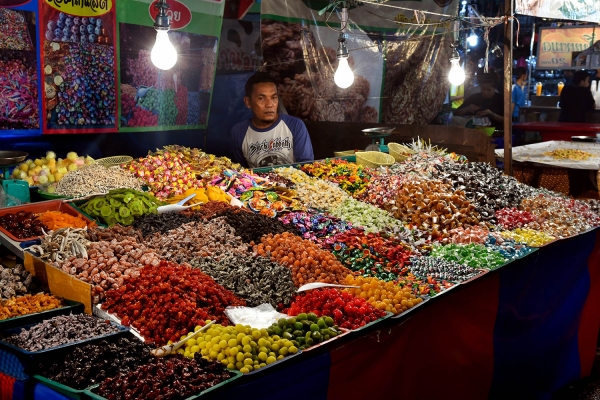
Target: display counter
559,130
520,332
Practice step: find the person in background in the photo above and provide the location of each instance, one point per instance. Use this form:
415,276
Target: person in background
457,95
518,93
568,73
577,99
488,103
268,138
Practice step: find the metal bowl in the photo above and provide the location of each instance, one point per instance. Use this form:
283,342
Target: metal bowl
583,139
9,157
379,131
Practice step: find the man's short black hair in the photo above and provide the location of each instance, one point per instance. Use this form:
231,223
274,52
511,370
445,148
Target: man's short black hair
520,71
259,77
488,78
580,76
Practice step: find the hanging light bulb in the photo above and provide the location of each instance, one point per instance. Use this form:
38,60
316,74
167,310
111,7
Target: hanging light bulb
164,54
473,39
457,74
344,77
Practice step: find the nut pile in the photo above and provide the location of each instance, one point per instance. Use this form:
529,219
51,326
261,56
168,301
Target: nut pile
60,330
308,262
251,227
62,244
14,281
96,178
109,265
441,269
433,206
257,280
166,378
485,186
195,240
366,216
94,362
165,302
28,304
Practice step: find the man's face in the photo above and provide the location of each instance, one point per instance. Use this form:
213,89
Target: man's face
487,91
263,102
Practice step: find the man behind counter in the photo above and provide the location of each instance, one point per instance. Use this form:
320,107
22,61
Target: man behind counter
268,138
577,99
488,103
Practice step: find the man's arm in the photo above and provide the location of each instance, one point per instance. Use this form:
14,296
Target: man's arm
238,132
303,150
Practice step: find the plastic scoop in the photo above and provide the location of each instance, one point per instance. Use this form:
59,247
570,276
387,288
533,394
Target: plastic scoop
174,208
182,202
317,285
172,348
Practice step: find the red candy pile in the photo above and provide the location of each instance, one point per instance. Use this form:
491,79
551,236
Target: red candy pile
348,311
513,218
169,300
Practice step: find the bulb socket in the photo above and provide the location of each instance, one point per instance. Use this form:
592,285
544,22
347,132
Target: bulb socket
342,51
161,23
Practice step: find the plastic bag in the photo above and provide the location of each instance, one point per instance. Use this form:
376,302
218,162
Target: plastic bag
7,200
258,317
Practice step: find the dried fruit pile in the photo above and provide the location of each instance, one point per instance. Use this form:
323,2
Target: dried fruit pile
28,304
168,300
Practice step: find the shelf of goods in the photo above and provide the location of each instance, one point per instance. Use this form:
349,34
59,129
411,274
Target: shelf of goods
431,266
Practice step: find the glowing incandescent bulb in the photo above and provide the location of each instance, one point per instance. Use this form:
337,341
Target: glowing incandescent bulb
457,74
473,39
344,77
163,55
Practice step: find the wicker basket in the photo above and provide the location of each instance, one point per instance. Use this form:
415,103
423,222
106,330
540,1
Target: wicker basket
344,153
112,161
374,159
399,151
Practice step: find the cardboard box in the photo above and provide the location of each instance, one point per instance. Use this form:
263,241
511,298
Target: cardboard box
59,282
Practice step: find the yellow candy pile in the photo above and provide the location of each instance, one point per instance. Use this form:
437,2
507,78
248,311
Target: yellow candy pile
383,295
203,195
529,237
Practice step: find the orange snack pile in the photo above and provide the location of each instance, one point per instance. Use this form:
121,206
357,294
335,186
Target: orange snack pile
386,296
56,220
308,262
28,304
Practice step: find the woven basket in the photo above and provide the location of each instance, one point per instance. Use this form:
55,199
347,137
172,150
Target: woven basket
374,159
344,153
399,151
112,161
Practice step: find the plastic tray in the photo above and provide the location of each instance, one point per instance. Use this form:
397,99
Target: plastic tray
43,206
413,308
387,315
237,374
62,389
29,319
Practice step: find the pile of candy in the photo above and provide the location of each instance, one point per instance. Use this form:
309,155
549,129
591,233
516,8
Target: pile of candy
513,218
386,296
529,237
14,34
309,263
473,255
440,268
351,177
366,216
19,100
315,226
347,311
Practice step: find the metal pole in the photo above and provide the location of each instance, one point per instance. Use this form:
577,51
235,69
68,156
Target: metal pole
508,40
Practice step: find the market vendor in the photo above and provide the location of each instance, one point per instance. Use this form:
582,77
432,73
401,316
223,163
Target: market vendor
577,99
487,103
269,138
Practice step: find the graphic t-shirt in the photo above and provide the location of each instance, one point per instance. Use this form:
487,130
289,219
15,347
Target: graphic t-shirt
285,142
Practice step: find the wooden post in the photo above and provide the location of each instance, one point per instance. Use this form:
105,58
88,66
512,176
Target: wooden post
508,61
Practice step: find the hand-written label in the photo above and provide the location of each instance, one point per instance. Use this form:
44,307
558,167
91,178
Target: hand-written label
82,8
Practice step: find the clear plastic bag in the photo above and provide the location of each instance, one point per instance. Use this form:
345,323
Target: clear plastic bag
7,200
258,317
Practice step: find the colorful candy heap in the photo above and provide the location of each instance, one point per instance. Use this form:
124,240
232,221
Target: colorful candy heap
512,218
167,174
474,255
315,226
348,311
371,254
366,216
386,296
351,177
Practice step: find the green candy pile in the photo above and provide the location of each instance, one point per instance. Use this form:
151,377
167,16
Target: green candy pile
473,255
